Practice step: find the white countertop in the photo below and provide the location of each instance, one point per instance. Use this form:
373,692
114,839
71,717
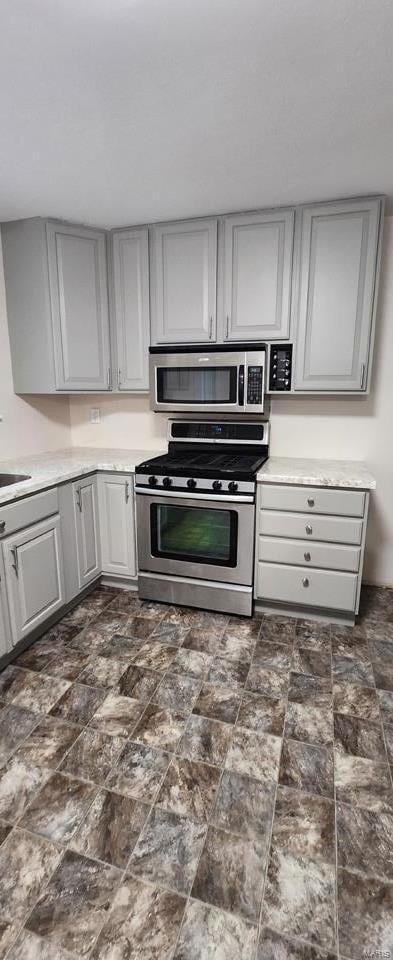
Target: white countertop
49,469
317,473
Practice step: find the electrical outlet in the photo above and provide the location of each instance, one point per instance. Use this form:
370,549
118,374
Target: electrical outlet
95,415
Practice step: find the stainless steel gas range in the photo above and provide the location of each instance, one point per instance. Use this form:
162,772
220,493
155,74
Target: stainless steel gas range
196,515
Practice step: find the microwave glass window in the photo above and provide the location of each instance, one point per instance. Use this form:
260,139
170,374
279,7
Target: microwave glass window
197,385
194,533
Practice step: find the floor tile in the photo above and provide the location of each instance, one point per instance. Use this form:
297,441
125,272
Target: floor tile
152,610
150,929
365,916
307,767
91,640
379,631
30,947
75,903
121,648
160,728
244,627
15,725
355,700
365,841
235,648
389,742
26,865
112,622
177,692
313,662
262,714
102,672
244,806
304,688
273,946
304,825
8,935
168,850
281,629
312,635
375,603
125,601
68,666
271,654
170,633
189,788
359,737
201,641
191,662
217,702
385,700
383,673
352,670
155,655
208,933
363,783
141,627
272,683
5,829
206,740
19,782
49,742
230,873
312,724
300,898
78,704
48,646
111,828
230,673
139,771
254,754
33,691
183,616
138,683
58,809
349,642
117,715
92,755
212,622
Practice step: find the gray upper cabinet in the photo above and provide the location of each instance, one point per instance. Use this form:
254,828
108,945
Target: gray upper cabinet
34,575
87,530
131,311
338,265
257,275
79,302
183,282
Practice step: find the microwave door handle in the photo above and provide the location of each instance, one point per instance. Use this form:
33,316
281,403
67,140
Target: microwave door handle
241,385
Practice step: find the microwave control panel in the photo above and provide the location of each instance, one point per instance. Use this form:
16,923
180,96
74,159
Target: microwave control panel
254,385
280,373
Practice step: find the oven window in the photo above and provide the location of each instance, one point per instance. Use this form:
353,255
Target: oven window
191,385
194,533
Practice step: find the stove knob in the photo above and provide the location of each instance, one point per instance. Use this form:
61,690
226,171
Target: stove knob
152,481
232,486
167,482
191,484
217,485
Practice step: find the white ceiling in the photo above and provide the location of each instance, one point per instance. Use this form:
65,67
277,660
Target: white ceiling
125,111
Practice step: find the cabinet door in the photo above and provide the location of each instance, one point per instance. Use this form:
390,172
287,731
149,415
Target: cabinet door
117,525
4,634
338,264
87,530
257,275
34,575
183,281
79,304
131,308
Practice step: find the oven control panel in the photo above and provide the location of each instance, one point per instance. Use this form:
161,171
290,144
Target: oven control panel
280,373
254,385
191,485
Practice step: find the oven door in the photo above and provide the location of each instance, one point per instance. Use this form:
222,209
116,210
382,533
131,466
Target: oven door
209,539
196,382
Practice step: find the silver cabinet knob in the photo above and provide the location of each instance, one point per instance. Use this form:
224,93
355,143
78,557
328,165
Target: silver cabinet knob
311,502
308,528
307,556
305,582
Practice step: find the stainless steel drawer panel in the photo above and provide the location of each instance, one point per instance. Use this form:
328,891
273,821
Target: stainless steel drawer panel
343,503
332,556
21,513
315,588
302,527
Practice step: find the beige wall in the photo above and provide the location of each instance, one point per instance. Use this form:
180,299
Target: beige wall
29,425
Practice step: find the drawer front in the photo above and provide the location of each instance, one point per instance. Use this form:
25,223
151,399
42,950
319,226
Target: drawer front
314,588
333,556
21,513
342,503
302,527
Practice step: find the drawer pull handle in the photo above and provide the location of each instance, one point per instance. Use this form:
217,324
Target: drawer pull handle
2,526
308,528
305,582
311,502
307,556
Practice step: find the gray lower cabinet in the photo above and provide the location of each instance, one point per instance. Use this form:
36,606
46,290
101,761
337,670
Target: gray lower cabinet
336,295
117,524
34,578
183,281
130,309
258,275
87,530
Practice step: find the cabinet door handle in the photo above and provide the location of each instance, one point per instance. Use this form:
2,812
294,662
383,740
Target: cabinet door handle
2,526
305,582
15,563
227,328
311,502
118,379
308,528
362,376
109,378
78,499
307,556
127,491
210,327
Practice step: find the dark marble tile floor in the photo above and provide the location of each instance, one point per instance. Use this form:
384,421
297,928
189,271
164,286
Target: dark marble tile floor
181,785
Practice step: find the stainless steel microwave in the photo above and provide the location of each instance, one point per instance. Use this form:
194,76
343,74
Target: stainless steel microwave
222,379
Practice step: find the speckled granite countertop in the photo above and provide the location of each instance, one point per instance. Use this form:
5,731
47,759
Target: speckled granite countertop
49,469
317,473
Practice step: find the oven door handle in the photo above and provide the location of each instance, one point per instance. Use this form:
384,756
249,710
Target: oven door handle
240,392
242,498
